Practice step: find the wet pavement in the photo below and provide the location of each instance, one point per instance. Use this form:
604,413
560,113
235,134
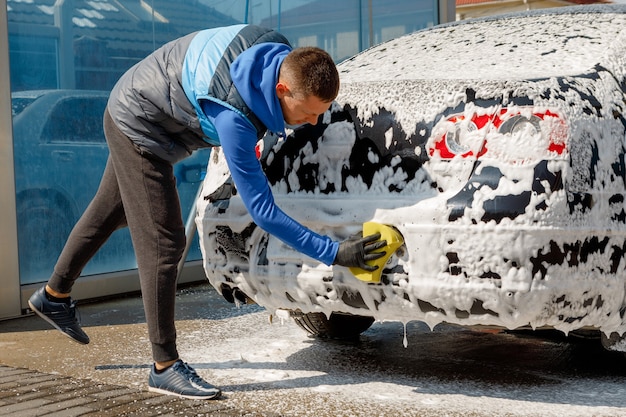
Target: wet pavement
43,372
276,370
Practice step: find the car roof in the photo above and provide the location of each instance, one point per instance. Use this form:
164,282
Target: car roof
525,45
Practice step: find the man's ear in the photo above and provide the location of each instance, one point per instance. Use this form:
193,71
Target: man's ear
281,89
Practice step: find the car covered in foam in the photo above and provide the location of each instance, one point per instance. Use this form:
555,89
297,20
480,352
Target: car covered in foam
496,147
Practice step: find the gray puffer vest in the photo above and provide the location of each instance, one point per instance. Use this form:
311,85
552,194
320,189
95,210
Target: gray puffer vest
149,105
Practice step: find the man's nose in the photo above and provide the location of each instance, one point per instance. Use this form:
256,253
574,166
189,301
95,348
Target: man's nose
312,120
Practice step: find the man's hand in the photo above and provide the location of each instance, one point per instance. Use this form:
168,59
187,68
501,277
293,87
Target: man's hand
356,251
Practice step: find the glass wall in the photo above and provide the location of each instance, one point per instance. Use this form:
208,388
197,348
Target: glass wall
343,28
66,55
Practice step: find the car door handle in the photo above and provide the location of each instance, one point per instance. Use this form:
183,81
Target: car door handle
63,155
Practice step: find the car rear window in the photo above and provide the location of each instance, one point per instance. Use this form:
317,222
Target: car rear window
534,46
19,104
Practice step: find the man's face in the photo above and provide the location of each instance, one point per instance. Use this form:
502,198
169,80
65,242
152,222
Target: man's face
298,109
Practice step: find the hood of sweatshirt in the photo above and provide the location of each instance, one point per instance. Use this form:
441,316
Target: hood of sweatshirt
255,74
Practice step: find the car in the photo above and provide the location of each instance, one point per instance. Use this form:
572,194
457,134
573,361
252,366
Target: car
60,154
495,147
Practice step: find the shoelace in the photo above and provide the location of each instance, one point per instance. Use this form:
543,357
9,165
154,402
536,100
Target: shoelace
189,372
66,316
74,311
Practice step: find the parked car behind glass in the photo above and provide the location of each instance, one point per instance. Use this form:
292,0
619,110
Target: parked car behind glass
60,154
495,146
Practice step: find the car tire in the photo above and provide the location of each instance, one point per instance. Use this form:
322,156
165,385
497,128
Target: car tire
43,227
338,326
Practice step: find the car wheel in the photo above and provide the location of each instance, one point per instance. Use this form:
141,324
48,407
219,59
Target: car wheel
43,226
337,326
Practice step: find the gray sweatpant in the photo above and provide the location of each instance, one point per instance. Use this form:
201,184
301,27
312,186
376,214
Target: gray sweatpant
137,190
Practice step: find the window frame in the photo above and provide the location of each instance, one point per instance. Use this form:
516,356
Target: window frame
10,305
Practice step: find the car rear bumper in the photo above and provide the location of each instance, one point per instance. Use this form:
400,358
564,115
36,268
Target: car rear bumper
510,274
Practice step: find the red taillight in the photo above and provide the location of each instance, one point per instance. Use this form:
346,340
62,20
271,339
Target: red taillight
558,133
514,135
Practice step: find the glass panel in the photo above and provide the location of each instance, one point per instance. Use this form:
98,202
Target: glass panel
389,19
65,56
343,28
33,62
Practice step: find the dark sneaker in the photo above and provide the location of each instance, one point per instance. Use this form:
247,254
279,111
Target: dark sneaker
61,315
180,379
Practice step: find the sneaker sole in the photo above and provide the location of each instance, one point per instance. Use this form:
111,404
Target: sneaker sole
46,318
190,397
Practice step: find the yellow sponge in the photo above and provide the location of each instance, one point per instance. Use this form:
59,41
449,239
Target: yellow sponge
394,241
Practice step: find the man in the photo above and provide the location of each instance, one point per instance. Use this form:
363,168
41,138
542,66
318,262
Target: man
218,87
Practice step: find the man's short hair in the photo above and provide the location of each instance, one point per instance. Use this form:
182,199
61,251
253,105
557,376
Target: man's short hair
312,72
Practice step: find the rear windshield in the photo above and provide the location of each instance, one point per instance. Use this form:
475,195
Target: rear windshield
535,46
19,104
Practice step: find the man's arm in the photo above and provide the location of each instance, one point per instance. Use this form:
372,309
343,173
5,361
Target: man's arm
238,139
